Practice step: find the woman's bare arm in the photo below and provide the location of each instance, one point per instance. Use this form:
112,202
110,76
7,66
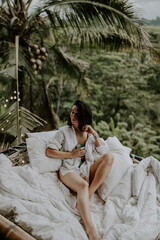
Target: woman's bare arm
90,130
53,153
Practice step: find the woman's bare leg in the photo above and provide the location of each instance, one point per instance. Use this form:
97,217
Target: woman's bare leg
80,186
99,171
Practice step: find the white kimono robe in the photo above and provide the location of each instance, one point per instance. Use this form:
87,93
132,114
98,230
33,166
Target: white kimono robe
65,140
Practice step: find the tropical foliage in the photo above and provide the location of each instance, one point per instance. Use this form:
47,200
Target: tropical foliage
28,123
52,71
110,24
124,96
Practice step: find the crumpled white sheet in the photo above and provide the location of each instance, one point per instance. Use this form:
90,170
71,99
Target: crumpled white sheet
43,206
132,211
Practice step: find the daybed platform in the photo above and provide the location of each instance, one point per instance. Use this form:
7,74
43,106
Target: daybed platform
37,205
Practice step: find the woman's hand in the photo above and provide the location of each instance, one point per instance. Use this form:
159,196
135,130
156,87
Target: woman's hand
90,130
79,152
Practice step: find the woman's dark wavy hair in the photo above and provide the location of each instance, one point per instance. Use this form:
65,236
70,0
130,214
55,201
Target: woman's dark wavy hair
84,114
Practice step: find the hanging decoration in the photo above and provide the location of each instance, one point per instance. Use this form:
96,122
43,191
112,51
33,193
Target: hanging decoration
17,120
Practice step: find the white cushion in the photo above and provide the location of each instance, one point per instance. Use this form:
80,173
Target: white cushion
4,161
36,147
46,135
122,162
114,145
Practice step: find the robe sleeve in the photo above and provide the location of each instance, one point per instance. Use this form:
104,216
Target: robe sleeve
102,149
57,141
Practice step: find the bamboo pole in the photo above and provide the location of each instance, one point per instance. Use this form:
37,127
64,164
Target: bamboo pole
17,83
10,231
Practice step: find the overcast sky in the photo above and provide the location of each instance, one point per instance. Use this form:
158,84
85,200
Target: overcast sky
149,9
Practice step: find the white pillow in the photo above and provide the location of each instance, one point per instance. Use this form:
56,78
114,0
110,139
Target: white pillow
36,147
46,135
122,162
114,145
5,162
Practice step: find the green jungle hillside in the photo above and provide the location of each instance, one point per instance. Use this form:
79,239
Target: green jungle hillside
122,88
124,93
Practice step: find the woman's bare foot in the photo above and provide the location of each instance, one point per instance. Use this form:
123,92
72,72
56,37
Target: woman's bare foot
91,233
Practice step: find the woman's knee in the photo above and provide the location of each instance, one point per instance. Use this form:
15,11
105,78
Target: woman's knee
108,159
83,185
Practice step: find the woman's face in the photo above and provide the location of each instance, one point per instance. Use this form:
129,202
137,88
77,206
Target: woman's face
74,116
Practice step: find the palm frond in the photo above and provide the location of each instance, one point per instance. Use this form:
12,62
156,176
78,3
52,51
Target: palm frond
85,13
74,66
155,54
28,3
10,71
104,38
9,59
28,121
24,61
10,8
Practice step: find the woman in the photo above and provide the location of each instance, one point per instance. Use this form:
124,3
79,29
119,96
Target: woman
81,176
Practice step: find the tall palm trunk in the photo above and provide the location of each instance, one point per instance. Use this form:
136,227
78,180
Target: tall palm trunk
17,84
21,75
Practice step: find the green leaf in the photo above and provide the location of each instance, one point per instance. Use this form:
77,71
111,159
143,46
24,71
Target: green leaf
14,20
9,71
28,121
73,65
84,14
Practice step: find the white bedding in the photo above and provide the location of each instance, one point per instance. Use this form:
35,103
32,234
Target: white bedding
43,206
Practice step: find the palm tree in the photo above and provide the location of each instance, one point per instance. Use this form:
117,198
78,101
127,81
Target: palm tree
101,23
